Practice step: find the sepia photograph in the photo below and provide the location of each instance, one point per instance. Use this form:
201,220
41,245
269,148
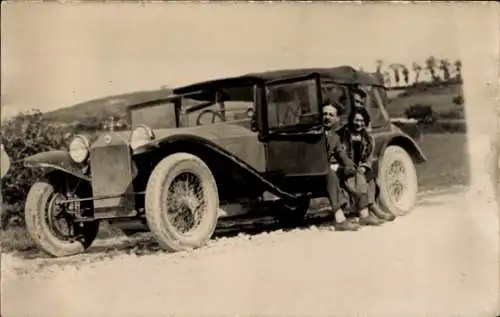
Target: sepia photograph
250,159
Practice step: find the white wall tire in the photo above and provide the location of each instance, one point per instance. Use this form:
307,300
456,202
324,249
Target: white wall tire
38,213
166,200
398,183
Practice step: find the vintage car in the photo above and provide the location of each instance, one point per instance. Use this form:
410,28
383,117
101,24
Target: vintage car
190,158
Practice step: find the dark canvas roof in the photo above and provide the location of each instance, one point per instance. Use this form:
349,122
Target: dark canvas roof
341,74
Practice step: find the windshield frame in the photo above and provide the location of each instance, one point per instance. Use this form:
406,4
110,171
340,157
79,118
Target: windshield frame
188,103
174,101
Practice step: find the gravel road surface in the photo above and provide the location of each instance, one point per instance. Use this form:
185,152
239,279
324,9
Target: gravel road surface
441,260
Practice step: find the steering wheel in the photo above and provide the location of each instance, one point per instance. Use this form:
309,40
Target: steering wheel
204,112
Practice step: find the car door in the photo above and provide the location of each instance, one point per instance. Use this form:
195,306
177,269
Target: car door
290,126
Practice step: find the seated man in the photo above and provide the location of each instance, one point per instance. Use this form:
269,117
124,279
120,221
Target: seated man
336,156
359,146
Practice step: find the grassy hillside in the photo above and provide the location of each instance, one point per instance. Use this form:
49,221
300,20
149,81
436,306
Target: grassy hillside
440,98
103,108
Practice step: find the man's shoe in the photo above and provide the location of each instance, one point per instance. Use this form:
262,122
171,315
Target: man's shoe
379,213
370,221
346,226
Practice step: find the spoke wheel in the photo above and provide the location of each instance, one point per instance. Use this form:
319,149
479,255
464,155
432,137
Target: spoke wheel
182,202
185,203
51,224
397,181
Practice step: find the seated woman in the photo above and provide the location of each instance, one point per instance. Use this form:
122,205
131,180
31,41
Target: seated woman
362,188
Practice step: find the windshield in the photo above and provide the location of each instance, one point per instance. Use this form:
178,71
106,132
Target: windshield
211,113
157,116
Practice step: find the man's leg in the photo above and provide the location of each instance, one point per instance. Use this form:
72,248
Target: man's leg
365,217
372,203
337,202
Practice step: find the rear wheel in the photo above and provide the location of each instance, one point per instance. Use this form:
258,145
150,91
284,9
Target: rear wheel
397,181
51,224
182,202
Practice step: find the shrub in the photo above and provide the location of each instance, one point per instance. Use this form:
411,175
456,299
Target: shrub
458,100
24,135
421,113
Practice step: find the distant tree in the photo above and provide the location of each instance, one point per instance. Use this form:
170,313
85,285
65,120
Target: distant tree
406,74
395,69
417,69
458,69
430,63
387,78
444,65
380,63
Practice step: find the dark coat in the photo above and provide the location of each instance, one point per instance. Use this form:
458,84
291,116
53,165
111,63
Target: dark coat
336,151
365,192
367,147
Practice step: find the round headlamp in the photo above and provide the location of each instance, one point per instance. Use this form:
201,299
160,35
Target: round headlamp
141,135
79,148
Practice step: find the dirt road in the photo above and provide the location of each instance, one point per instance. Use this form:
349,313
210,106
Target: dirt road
442,260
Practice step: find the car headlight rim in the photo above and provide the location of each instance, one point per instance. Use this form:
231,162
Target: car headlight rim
141,135
79,148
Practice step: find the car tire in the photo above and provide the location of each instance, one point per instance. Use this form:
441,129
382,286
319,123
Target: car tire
158,205
292,214
396,155
40,204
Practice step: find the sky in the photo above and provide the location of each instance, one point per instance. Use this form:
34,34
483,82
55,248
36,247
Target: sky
57,54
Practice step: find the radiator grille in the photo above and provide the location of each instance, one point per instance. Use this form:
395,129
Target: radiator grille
112,172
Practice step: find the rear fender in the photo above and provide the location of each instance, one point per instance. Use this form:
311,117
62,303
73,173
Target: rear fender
408,145
56,160
405,142
197,145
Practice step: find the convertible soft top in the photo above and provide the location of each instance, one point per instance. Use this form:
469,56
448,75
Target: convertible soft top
340,74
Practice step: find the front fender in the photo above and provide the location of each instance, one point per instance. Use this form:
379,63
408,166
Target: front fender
59,160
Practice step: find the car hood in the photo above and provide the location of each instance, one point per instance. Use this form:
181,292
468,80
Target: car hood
236,139
213,132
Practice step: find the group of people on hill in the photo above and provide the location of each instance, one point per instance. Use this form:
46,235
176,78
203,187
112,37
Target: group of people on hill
351,182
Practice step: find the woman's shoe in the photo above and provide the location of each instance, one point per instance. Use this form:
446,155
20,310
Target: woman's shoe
370,220
381,214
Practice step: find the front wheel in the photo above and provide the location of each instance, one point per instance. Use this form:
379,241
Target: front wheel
182,202
397,181
52,226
